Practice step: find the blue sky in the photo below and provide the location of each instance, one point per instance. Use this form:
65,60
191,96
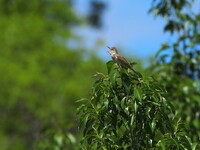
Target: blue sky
127,26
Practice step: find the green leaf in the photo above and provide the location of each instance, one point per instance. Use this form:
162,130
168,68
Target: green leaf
153,124
81,108
110,66
59,139
164,46
132,119
133,63
194,145
71,138
135,107
113,79
138,94
158,135
123,103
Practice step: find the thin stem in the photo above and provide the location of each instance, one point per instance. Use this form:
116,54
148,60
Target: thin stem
131,135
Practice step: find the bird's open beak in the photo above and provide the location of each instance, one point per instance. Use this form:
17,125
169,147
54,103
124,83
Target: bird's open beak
109,48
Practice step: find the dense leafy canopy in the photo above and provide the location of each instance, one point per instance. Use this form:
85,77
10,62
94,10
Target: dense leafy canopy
128,111
178,63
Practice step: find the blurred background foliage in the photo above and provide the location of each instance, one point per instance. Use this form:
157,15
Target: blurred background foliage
42,76
177,64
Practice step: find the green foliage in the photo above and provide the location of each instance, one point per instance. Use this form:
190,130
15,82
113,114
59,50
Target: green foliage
57,141
41,77
128,111
178,63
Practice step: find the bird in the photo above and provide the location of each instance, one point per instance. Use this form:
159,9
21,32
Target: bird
119,59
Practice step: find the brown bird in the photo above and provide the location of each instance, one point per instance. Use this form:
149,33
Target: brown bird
119,59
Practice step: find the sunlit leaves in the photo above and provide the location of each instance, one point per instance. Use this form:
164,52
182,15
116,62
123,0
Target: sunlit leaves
126,111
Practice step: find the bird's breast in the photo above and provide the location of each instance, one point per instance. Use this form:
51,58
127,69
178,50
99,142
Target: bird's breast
114,58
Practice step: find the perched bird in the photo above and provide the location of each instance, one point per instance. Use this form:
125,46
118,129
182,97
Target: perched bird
119,59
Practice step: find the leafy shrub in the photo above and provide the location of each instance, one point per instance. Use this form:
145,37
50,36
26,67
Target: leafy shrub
178,60
129,111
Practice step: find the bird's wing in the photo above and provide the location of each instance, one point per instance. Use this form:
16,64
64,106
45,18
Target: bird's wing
123,61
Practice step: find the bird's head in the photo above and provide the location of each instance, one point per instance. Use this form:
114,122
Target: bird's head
112,51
